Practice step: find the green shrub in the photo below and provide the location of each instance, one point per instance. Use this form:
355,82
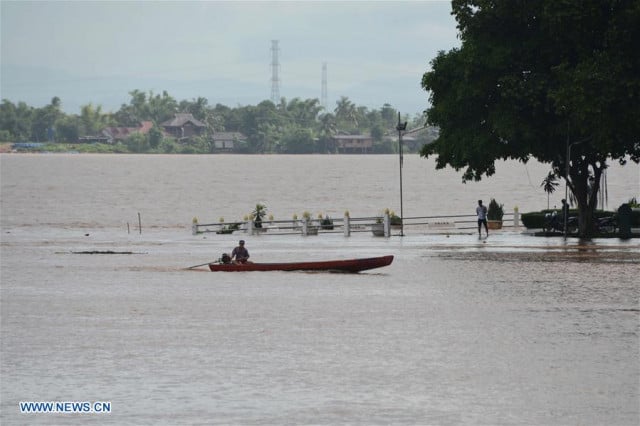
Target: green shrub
635,218
496,211
535,220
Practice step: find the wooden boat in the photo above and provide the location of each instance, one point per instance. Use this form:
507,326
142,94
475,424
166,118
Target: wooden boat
347,265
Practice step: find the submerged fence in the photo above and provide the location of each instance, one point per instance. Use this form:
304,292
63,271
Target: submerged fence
382,226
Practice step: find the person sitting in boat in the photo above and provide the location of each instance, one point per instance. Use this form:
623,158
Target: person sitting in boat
225,258
240,254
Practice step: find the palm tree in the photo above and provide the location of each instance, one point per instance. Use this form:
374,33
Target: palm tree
346,111
303,113
161,107
93,119
197,107
258,214
549,184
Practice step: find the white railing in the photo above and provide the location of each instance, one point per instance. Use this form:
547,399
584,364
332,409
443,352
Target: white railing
378,225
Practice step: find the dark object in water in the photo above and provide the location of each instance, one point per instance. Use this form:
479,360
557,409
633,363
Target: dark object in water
102,252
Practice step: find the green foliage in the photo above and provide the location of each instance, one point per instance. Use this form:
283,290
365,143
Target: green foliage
168,146
496,211
394,219
260,211
533,220
346,114
44,119
536,220
155,137
326,223
549,184
200,144
97,148
68,129
298,126
298,141
137,142
532,75
16,120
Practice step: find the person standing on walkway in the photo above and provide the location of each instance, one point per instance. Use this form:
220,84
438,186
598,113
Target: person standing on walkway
565,212
481,211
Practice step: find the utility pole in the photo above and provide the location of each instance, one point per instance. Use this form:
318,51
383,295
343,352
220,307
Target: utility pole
401,127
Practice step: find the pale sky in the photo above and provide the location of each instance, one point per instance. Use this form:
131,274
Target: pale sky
98,51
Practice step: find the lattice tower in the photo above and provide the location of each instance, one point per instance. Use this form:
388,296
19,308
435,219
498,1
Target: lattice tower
323,94
275,68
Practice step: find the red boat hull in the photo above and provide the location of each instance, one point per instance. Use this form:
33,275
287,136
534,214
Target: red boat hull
347,265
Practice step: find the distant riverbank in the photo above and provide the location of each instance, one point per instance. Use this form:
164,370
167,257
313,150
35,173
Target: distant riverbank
101,148
64,148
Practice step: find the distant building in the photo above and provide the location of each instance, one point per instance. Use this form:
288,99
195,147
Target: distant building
183,126
227,141
353,144
118,134
416,140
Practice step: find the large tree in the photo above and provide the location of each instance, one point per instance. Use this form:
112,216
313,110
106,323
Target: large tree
44,119
539,78
15,120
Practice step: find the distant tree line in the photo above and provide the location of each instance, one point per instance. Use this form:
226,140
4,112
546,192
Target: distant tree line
293,126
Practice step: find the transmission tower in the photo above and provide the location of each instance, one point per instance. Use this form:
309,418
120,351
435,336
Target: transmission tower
275,66
323,95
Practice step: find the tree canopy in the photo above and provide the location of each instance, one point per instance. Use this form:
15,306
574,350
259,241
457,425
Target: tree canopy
293,126
531,78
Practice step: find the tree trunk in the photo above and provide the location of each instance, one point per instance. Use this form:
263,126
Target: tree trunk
586,191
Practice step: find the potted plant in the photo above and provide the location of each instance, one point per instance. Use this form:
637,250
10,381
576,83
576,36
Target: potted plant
494,215
394,219
224,229
259,213
377,228
326,223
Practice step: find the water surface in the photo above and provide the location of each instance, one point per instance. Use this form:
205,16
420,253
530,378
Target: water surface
509,330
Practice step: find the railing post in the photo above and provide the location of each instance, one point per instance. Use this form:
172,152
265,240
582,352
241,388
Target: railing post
386,224
194,226
305,226
516,217
250,226
347,226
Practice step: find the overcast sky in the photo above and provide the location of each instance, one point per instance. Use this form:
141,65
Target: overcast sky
98,51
